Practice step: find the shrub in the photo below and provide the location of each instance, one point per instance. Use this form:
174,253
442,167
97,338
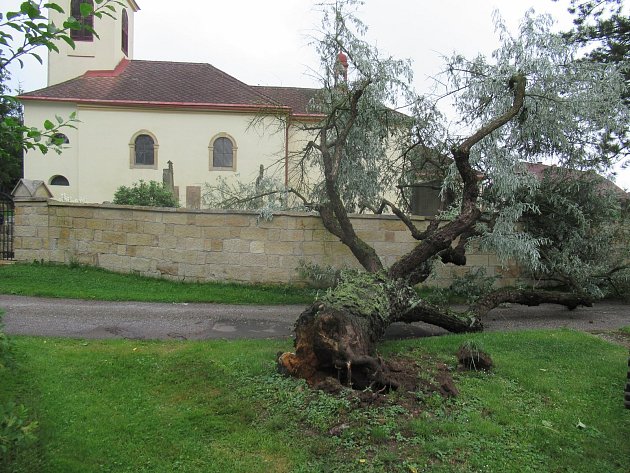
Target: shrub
16,431
150,194
5,347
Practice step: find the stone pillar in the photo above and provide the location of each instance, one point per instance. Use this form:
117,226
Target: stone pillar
32,242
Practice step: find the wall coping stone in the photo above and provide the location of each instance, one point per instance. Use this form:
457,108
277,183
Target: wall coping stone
253,213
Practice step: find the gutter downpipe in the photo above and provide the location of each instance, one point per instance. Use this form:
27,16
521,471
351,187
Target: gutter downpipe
286,152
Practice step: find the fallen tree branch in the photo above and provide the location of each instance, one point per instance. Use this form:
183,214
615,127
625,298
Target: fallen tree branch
528,298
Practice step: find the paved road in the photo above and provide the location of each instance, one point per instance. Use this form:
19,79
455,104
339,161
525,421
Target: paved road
139,320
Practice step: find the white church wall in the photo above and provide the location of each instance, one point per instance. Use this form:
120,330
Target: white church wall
45,167
97,160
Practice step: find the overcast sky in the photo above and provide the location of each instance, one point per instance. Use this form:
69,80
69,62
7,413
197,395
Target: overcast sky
267,42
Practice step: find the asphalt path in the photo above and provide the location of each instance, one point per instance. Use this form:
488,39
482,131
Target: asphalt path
140,320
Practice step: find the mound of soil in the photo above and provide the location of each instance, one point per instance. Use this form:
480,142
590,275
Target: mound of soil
416,377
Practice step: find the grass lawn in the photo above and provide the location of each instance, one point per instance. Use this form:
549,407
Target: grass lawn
554,403
83,282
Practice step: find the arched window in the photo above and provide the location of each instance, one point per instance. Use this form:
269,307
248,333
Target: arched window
223,153
125,33
143,150
75,11
59,181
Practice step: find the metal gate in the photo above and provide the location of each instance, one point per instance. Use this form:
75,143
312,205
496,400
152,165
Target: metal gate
7,217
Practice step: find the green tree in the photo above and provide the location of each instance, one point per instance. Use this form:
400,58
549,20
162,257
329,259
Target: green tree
10,143
602,28
603,25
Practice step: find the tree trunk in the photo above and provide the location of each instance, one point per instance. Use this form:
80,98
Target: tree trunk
337,335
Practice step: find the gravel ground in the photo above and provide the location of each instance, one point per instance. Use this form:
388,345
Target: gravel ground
136,320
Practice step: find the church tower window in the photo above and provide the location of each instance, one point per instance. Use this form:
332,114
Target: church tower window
84,34
125,33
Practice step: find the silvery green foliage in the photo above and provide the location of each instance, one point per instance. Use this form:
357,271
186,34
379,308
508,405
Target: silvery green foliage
266,195
320,276
569,103
586,225
234,194
365,171
569,107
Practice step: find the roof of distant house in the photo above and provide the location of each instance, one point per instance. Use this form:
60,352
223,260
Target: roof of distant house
296,98
173,84
540,169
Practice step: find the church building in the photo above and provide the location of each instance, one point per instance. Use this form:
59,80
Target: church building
136,116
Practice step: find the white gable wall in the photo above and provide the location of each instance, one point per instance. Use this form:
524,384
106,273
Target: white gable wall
97,160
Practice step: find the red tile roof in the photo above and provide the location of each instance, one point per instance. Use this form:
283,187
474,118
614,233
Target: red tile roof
296,98
162,83
540,170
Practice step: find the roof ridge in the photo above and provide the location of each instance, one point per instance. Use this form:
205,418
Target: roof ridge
220,71
285,87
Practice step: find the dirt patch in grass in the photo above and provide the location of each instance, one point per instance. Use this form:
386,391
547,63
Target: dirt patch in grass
418,376
617,337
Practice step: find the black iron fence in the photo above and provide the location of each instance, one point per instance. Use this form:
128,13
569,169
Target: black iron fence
7,217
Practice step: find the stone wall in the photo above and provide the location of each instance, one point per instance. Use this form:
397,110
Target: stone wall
201,245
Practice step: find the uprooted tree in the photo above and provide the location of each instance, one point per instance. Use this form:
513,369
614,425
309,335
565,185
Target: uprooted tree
534,99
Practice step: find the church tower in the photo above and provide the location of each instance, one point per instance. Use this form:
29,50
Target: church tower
113,44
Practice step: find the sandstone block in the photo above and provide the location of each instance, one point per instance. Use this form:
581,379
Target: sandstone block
235,246
152,228
217,233
256,247
248,259
119,238
187,231
167,241
177,218
239,220
211,220
291,235
151,216
84,234
279,248
81,212
168,269
125,226
94,224
253,233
